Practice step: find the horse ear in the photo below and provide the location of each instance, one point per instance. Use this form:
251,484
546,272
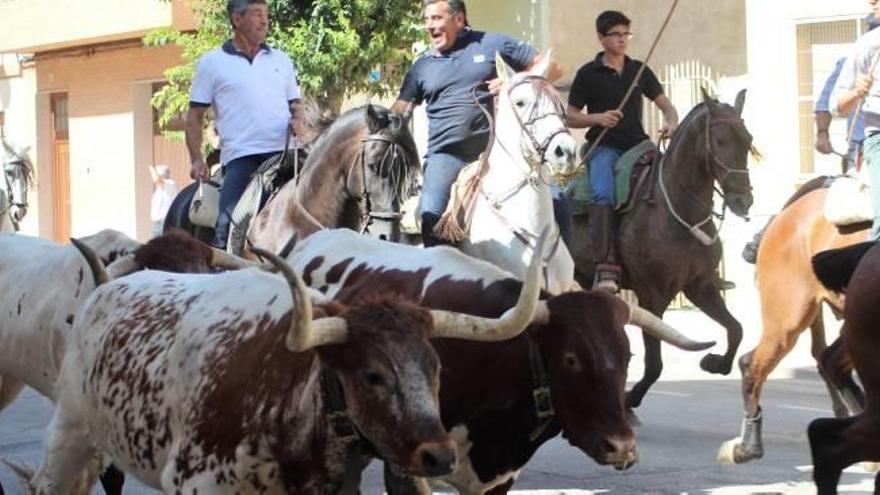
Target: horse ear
544,65
504,71
706,97
372,117
740,102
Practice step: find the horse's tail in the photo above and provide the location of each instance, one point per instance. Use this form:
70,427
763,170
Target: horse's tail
834,267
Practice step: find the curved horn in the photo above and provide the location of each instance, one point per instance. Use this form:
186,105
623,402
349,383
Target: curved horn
658,328
508,325
122,267
222,259
304,333
99,274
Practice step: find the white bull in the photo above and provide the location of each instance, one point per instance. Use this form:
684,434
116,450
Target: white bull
46,283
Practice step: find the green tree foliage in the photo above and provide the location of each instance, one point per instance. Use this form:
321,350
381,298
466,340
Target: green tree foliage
335,45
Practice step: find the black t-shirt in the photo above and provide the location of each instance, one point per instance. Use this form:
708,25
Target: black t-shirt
600,88
445,81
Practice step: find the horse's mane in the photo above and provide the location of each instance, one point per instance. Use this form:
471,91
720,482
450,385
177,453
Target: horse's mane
315,121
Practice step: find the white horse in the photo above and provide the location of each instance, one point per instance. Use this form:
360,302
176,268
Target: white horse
513,203
18,173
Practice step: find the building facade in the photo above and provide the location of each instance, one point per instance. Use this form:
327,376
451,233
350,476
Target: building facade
75,86
79,93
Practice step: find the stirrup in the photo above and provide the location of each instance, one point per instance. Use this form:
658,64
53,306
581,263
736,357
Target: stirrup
607,278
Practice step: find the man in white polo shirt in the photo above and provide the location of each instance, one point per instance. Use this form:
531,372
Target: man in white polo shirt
253,91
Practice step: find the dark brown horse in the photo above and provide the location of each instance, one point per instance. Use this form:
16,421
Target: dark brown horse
836,443
668,243
791,301
358,172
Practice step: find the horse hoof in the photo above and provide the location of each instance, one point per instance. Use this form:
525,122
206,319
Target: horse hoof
716,363
732,452
632,418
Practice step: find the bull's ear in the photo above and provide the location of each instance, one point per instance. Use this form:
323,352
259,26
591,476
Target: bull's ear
505,73
740,102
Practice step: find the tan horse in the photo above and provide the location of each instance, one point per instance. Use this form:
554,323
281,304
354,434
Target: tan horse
791,302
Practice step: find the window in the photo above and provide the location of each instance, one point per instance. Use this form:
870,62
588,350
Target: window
819,45
176,124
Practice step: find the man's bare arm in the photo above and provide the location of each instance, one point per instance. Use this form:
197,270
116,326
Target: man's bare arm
195,119
670,114
576,119
401,106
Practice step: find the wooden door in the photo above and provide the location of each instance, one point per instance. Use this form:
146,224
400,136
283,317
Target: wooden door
60,168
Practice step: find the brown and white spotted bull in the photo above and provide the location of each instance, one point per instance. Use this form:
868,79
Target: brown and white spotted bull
226,384
44,284
501,401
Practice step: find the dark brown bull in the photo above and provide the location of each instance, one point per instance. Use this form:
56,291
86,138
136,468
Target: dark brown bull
836,443
566,373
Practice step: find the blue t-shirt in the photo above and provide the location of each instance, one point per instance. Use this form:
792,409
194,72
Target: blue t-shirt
446,81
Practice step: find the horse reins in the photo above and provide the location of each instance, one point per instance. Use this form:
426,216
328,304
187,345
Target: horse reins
711,157
369,215
527,238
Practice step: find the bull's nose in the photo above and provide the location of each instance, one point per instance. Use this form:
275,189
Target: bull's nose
621,451
435,458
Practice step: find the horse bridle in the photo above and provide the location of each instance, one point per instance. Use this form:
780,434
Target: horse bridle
527,238
368,215
539,147
10,202
711,157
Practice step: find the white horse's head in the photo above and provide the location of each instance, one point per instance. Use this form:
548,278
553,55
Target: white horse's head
530,108
18,174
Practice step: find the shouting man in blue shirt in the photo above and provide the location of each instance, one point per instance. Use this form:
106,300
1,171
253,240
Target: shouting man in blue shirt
459,68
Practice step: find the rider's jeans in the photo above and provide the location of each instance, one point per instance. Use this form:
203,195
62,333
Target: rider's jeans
236,175
602,174
872,160
441,171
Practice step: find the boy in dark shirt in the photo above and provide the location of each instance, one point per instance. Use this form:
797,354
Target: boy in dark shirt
599,87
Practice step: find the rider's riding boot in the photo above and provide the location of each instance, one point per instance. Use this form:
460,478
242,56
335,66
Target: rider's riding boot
602,220
429,239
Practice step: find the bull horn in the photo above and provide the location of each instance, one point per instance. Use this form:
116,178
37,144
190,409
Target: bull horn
304,333
122,267
99,273
222,259
658,328
511,323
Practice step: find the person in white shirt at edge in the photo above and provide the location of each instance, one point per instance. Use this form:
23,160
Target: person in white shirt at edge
856,81
254,94
164,191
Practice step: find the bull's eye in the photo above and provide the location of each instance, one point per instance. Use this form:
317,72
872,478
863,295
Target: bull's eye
374,378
